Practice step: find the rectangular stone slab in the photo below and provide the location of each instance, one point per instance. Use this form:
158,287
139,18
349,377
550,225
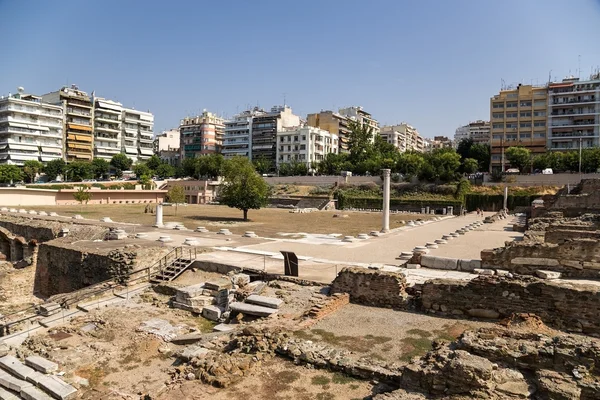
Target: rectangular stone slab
41,364
33,393
271,302
8,381
6,395
14,366
55,386
252,309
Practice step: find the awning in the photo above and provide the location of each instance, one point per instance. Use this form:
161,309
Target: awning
78,146
80,138
51,150
31,147
109,106
18,125
23,157
148,152
130,150
38,127
49,158
80,127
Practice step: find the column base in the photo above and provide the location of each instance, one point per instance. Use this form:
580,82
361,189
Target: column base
384,231
158,226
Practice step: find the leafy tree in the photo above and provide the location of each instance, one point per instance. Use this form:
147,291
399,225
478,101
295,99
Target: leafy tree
120,162
244,188
54,168
154,162
141,169
262,165
518,157
481,153
165,171
77,171
101,167
188,167
462,188
10,173
209,166
31,168
176,195
360,141
464,148
410,163
470,165
82,194
540,162
333,164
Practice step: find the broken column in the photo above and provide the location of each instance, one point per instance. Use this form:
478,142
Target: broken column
505,197
159,216
386,201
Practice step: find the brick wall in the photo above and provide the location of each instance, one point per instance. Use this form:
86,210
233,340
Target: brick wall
371,287
562,305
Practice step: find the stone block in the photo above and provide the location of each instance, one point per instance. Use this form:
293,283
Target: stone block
439,262
225,232
189,292
348,239
33,393
469,265
6,395
190,242
547,274
363,236
191,352
270,302
212,313
217,285
542,262
186,307
201,229
15,367
200,301
41,364
188,338
250,234
55,386
483,271
240,279
503,272
10,382
252,309
413,266
3,349
224,328
431,245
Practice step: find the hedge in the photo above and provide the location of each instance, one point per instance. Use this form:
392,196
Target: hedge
494,202
345,202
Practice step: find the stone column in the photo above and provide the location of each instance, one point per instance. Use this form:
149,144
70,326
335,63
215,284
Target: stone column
159,216
386,201
505,197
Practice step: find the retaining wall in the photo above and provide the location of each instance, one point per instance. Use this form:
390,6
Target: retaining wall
372,287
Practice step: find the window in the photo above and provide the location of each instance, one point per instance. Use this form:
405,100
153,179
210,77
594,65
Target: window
497,137
498,105
511,125
539,123
511,115
497,126
525,125
498,115
539,135
525,114
511,137
511,104
302,147
525,135
303,137
526,103
539,114
496,157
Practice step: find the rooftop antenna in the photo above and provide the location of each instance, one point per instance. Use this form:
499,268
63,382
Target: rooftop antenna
284,99
579,66
550,76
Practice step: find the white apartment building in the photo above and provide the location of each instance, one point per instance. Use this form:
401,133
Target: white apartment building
574,113
305,144
136,134
29,129
237,139
478,130
107,128
404,137
166,146
357,113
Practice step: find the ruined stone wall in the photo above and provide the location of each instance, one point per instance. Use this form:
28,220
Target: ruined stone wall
371,287
560,304
556,235
575,258
43,230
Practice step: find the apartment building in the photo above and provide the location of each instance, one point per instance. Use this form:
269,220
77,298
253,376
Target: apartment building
518,116
574,113
305,144
137,134
404,137
478,131
357,113
438,142
78,119
29,129
265,128
166,147
237,140
334,123
201,135
107,128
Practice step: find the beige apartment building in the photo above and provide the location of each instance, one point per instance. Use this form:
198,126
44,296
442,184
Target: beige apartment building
201,135
518,117
404,137
334,123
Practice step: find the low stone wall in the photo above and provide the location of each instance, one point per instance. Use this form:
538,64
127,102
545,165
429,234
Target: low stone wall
435,262
575,258
559,236
563,305
372,287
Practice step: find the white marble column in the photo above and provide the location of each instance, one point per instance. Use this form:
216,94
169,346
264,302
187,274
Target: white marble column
386,201
505,197
159,216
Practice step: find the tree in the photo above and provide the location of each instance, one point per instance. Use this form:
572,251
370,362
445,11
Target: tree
120,162
82,194
10,173
141,169
101,167
209,166
77,171
481,153
165,171
470,165
31,168
188,167
518,157
243,187
154,162
410,163
360,141
176,195
464,148
263,165
332,164
54,168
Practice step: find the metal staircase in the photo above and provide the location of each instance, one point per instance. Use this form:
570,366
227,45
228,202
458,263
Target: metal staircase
173,264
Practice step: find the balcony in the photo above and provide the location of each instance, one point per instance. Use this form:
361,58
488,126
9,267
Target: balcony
106,118
74,111
107,138
572,101
145,139
79,103
107,128
573,124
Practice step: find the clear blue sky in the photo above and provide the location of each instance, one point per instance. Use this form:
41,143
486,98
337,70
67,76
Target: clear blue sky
434,64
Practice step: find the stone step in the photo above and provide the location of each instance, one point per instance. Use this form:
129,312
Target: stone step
55,386
10,382
265,301
15,367
41,364
6,395
252,309
33,393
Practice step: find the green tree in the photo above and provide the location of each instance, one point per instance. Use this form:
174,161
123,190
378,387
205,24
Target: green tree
141,169
154,162
470,165
481,153
540,162
409,164
165,171
332,164
464,148
209,166
263,165
120,162
188,167
360,141
10,173
176,195
77,171
82,194
518,157
243,187
101,168
285,169
462,188
54,168
31,168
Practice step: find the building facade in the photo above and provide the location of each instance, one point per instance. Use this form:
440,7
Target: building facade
334,123
201,135
478,131
107,128
237,140
357,113
574,114
137,134
438,142
196,192
518,117
166,147
305,145
78,127
404,137
29,129
264,132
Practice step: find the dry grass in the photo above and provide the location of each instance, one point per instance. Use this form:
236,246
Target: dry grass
265,222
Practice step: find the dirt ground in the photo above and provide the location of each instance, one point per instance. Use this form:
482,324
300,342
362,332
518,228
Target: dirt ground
16,287
266,222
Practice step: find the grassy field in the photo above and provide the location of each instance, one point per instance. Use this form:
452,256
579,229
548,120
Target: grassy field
265,222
